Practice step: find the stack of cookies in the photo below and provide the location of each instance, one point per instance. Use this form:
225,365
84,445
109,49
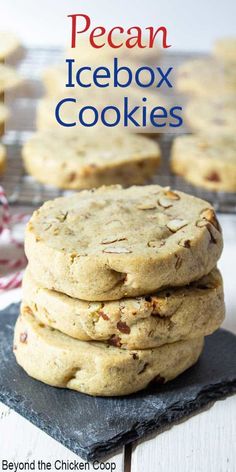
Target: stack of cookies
120,290
208,157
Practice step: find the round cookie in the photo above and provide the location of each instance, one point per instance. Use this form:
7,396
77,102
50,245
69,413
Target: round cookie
206,78
90,159
132,323
206,161
9,78
3,157
111,243
9,44
225,50
96,368
4,115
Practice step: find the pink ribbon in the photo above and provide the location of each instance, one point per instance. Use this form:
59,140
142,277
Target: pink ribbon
15,265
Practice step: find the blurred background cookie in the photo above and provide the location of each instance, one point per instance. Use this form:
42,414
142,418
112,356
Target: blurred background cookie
207,161
90,159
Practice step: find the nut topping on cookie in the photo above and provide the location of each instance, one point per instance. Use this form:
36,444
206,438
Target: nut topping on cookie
175,225
117,250
123,327
210,216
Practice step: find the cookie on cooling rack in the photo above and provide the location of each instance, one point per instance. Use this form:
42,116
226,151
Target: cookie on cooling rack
206,161
90,159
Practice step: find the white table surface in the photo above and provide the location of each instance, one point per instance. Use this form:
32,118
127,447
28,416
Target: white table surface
204,443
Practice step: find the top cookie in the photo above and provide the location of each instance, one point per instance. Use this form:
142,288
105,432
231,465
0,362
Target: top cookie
9,44
113,242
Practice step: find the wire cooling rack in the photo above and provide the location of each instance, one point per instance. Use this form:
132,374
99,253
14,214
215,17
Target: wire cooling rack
22,189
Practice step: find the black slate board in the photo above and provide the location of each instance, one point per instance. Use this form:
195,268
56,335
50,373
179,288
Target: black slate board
92,427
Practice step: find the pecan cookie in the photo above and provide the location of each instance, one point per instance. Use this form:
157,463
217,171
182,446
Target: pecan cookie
9,44
90,159
111,243
207,161
96,368
216,116
132,323
3,156
206,78
4,115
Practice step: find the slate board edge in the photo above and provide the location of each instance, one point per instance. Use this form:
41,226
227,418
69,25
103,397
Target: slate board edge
214,393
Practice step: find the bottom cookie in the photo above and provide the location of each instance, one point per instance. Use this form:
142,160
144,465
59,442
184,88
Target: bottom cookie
96,368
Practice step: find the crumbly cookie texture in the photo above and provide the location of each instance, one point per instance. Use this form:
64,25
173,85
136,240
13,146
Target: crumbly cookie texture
111,243
4,115
216,116
9,78
89,160
225,50
9,44
206,77
96,368
132,323
206,161
3,158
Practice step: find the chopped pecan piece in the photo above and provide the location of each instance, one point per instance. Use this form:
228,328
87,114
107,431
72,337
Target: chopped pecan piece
175,225
115,341
143,368
123,327
103,315
117,250
185,243
210,216
213,177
